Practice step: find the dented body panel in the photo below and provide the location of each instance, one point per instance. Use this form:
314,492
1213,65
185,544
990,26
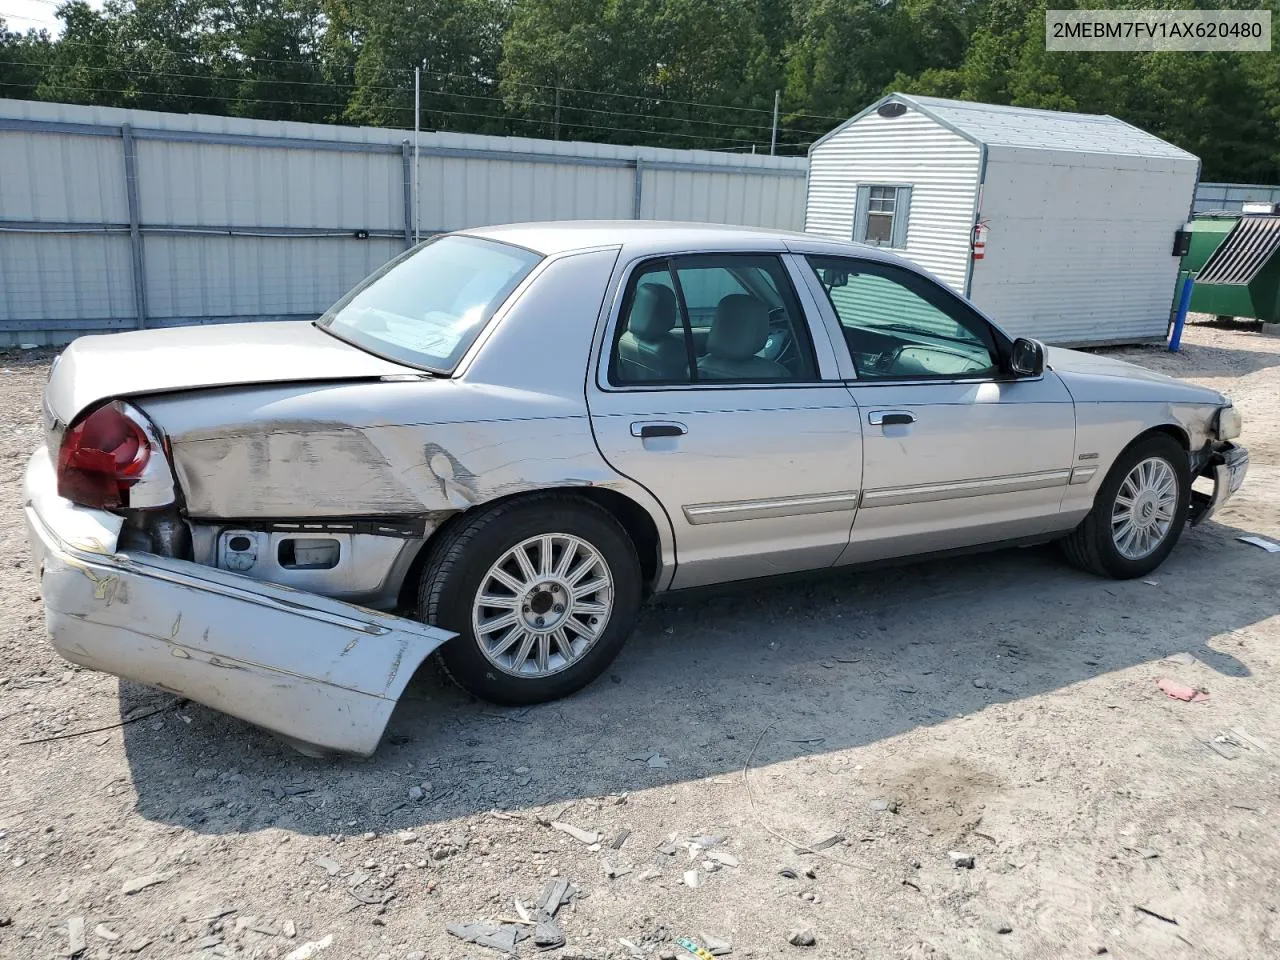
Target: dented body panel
312,669
320,472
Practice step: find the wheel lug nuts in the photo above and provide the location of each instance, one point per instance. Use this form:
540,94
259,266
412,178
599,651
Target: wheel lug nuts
594,621
540,621
558,608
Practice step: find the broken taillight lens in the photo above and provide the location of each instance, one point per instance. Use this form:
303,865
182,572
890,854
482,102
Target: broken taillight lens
101,457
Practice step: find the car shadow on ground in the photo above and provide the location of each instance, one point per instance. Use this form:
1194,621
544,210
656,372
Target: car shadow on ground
841,660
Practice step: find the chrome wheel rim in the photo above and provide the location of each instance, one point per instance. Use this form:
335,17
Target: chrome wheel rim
543,605
1145,506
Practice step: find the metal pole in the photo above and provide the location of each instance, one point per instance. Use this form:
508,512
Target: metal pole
635,203
135,227
406,173
773,138
417,171
1175,341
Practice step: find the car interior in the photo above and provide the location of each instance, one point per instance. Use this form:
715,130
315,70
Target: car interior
741,329
894,332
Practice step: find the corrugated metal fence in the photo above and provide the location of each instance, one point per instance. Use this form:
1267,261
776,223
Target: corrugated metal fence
116,219
1230,197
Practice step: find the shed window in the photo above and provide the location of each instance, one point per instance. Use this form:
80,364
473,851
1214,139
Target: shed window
881,215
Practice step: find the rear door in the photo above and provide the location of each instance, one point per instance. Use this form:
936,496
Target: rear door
956,452
713,393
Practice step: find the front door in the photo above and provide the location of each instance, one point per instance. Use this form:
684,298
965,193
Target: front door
955,452
712,396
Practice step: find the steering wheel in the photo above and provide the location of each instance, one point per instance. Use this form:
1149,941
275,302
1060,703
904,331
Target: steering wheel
780,347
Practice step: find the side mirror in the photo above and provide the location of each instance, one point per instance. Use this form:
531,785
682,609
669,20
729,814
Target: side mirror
1027,357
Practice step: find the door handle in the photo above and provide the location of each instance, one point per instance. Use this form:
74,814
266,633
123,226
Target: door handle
658,428
890,418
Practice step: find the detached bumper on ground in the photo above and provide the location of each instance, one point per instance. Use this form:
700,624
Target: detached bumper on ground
317,671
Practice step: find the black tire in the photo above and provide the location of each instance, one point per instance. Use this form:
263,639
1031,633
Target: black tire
1091,547
459,562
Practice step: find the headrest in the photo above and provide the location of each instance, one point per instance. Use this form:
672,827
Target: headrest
740,327
653,315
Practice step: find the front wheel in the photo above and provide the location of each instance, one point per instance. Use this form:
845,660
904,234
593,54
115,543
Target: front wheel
1138,514
542,593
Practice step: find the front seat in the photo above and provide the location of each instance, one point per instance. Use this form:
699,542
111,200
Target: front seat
739,331
647,351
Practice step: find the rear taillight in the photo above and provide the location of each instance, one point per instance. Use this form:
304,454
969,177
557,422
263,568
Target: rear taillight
103,456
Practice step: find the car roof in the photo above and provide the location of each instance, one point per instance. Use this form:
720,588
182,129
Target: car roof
653,237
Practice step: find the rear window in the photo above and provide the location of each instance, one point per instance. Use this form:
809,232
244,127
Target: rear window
428,305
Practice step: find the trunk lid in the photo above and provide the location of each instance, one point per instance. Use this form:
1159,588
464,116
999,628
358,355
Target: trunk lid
97,368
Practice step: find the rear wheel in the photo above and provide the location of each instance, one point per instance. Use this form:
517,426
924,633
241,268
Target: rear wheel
1138,514
542,593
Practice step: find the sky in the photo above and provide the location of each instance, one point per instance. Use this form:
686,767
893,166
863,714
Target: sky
23,15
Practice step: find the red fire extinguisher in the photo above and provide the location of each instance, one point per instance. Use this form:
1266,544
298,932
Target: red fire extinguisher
979,239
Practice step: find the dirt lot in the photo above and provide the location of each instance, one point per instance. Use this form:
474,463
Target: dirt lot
1002,707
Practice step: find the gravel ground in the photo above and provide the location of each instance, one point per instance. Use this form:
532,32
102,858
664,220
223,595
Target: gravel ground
1004,708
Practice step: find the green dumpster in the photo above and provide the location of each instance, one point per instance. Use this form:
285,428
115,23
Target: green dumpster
1236,262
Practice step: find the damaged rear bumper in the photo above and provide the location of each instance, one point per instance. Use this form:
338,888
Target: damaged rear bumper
317,671
1226,465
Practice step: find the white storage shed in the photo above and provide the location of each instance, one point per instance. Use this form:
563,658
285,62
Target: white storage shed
1079,213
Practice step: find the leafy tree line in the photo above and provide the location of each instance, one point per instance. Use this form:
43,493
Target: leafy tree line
681,73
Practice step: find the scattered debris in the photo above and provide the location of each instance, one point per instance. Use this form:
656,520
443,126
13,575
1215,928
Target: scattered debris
883,805
801,938
331,867
980,683
691,879
582,836
289,929
1262,542
141,883
555,894
103,932
706,841
649,873
1152,583
723,857
688,946
716,946
1151,913
1250,740
407,836
311,948
668,849
416,792
502,937
613,872
830,840
658,761
1223,747
76,941
1002,926
617,842
522,911
1181,692
961,860
547,935
788,873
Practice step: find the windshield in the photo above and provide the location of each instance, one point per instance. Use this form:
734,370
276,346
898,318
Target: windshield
428,305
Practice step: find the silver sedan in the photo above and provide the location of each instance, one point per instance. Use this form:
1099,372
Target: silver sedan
502,442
